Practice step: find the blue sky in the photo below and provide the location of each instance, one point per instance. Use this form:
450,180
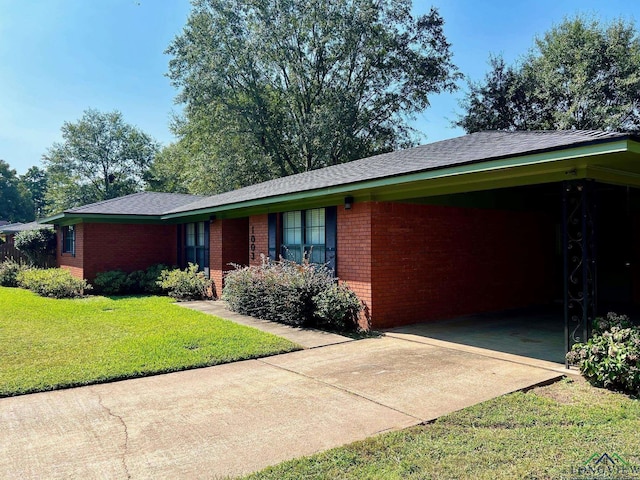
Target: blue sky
60,57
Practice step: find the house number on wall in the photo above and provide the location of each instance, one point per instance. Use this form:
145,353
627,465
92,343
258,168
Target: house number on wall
253,244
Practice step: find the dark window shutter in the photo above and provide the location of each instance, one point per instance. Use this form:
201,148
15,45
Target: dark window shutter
206,244
331,237
273,236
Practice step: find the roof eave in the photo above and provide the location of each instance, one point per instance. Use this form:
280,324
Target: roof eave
70,218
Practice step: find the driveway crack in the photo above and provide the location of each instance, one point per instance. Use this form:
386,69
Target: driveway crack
123,458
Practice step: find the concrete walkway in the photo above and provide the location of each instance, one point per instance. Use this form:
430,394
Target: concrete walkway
305,337
240,417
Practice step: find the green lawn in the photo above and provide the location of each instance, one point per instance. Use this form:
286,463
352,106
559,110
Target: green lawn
47,344
541,434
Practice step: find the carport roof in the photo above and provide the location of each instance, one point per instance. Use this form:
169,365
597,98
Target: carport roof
464,150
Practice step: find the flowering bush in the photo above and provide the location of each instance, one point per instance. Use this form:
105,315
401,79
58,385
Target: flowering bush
611,358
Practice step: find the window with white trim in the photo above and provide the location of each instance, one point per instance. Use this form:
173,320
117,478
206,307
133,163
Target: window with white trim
304,236
69,239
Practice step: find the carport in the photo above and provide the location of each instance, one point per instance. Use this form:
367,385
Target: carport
590,195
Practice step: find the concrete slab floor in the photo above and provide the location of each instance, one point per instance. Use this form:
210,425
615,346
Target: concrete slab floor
534,333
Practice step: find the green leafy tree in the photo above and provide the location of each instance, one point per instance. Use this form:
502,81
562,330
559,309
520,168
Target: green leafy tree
15,200
205,161
35,181
580,75
38,245
281,87
100,157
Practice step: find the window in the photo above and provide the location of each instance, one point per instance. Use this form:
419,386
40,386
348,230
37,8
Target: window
303,235
196,245
69,239
300,233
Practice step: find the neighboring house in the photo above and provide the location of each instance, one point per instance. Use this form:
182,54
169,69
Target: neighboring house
9,230
484,222
7,237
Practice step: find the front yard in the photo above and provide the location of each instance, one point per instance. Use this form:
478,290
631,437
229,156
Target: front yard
47,344
557,431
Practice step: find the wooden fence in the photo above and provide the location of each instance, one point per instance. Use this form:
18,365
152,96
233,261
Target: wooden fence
10,252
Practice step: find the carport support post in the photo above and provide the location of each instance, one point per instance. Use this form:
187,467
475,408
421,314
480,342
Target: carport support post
579,240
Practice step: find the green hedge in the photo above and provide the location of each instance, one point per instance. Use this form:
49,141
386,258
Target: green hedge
118,282
187,284
9,270
300,295
52,282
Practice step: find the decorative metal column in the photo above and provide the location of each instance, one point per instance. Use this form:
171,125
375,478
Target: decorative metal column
579,239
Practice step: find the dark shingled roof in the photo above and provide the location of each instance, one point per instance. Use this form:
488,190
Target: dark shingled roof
473,148
143,203
22,227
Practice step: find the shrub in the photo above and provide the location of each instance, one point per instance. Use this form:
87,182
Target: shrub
290,293
148,282
338,307
9,271
52,282
118,282
113,282
611,358
612,319
37,245
187,284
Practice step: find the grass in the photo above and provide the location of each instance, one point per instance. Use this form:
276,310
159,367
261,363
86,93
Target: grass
47,344
548,432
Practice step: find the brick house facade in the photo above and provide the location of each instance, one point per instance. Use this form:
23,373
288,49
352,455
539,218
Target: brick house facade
410,232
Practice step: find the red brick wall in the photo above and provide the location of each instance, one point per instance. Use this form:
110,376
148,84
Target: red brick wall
72,263
228,243
215,254
258,238
101,247
353,263
236,242
435,262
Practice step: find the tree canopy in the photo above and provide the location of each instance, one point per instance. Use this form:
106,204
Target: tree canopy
36,181
276,88
15,200
100,157
581,74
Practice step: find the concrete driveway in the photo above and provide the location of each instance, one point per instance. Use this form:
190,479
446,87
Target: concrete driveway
241,417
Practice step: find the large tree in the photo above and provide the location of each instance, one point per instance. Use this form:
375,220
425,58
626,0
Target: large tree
35,181
581,74
15,200
100,157
280,87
